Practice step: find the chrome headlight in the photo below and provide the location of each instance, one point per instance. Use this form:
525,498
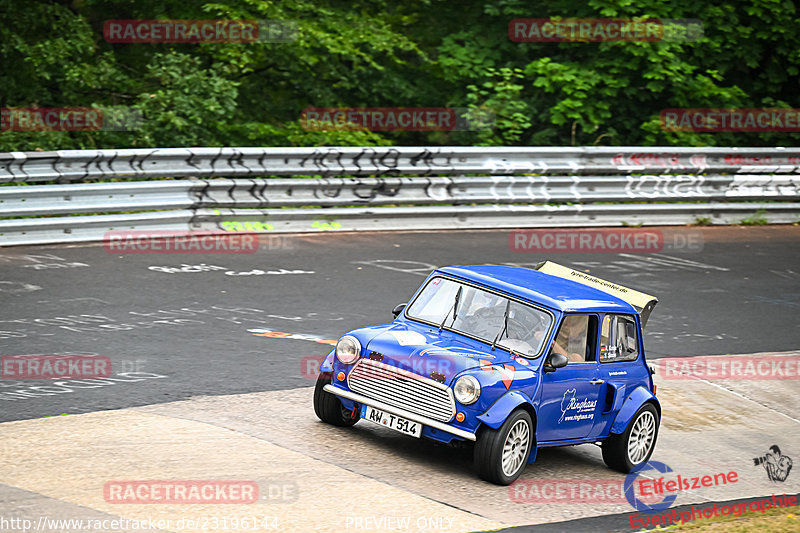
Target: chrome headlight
348,349
467,390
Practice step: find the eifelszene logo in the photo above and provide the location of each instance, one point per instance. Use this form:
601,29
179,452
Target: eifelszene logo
643,494
635,501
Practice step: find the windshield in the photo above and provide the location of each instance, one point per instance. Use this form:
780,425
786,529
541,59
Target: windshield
488,316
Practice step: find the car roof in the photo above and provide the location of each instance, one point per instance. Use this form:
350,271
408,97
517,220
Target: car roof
551,291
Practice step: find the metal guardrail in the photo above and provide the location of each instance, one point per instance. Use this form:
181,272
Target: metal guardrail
351,189
72,165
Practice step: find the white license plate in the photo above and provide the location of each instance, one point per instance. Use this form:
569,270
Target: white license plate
397,423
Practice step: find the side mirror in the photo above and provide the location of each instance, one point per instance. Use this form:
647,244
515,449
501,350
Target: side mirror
398,309
555,361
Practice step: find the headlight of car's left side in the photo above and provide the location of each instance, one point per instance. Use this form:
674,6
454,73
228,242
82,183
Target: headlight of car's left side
467,390
348,349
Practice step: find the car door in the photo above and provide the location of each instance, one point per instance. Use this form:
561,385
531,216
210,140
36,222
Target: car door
569,403
619,366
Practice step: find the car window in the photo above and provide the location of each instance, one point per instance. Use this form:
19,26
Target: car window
435,300
479,313
619,340
575,338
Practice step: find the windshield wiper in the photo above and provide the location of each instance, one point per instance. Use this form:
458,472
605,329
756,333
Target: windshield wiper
505,324
454,309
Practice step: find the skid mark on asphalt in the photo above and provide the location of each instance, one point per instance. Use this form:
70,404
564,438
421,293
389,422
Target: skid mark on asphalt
791,299
674,262
731,391
87,299
417,268
787,274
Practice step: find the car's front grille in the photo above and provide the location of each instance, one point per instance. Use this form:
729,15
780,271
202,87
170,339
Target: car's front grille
403,389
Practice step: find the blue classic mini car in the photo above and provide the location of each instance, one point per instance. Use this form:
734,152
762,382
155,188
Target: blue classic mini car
514,359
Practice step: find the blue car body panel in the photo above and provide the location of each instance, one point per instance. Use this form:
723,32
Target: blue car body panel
555,293
633,402
327,363
499,411
581,402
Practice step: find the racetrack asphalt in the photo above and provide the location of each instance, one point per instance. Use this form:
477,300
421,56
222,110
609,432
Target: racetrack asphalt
315,477
172,334
213,359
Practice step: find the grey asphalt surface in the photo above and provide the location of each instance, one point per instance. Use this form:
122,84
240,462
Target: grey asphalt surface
175,335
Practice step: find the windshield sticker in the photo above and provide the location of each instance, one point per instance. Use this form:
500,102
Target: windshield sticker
573,410
404,338
506,371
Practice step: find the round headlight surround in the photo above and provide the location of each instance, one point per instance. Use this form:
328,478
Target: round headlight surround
348,350
467,390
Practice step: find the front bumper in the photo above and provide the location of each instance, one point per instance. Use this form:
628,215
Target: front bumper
350,395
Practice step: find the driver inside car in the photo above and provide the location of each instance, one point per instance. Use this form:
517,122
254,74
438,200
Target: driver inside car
482,314
571,338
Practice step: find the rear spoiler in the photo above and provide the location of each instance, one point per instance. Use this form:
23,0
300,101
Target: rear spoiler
644,303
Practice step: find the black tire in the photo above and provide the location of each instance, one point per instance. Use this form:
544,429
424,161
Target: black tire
328,407
489,449
617,446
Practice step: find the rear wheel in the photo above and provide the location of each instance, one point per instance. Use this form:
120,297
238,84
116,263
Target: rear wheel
501,454
634,446
329,408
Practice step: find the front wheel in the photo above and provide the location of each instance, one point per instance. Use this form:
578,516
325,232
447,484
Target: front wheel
634,446
329,408
501,454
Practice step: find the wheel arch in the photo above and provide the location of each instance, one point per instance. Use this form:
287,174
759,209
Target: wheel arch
635,400
498,413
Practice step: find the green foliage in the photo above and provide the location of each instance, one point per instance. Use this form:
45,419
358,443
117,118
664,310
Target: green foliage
757,219
702,221
428,53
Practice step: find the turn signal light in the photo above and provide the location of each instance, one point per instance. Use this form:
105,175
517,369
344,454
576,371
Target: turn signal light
340,376
460,417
